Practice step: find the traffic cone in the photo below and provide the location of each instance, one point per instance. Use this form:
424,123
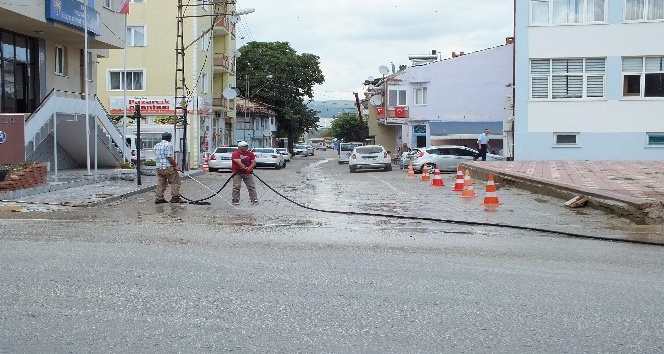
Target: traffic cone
490,198
468,191
411,171
425,173
437,178
205,166
458,185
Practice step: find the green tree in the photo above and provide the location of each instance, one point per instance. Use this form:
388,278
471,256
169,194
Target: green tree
274,74
348,127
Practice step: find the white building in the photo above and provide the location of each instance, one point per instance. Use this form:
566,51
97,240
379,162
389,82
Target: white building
445,102
589,80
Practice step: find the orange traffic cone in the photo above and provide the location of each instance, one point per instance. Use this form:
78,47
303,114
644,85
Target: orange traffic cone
468,191
425,173
205,166
411,171
437,178
458,185
490,198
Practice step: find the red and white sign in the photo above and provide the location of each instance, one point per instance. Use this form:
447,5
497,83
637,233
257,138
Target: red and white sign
156,105
124,7
380,111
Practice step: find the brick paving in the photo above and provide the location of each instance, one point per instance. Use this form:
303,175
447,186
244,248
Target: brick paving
638,184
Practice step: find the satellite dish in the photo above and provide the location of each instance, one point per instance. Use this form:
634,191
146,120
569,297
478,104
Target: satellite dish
230,93
235,19
376,100
384,70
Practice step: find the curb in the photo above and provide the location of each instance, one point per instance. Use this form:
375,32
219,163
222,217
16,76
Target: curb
634,209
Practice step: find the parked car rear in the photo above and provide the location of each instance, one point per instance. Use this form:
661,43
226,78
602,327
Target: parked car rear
269,157
369,157
220,159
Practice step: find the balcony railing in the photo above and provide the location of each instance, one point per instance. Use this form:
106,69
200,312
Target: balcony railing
223,63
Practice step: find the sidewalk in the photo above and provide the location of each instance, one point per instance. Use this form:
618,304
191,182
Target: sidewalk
631,189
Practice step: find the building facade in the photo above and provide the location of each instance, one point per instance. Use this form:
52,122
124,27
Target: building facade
46,73
589,80
177,57
441,102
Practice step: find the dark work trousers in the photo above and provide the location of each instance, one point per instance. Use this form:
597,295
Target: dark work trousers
483,150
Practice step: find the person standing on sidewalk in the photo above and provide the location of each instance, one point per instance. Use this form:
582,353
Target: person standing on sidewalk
243,165
483,145
167,171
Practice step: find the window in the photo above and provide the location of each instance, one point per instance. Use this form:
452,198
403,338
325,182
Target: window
567,11
567,78
108,4
421,96
90,67
396,97
60,60
133,81
207,38
655,139
566,139
639,10
136,36
204,83
643,76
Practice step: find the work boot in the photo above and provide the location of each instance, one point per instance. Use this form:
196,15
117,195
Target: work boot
177,200
160,201
254,202
236,202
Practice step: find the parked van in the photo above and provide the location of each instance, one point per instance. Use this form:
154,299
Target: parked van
345,149
150,136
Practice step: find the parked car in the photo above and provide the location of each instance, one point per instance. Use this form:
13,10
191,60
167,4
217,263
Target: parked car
285,153
369,157
220,159
269,157
321,147
303,150
446,157
345,149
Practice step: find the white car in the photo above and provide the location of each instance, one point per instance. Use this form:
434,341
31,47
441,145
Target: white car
369,157
220,159
446,157
269,157
344,151
285,153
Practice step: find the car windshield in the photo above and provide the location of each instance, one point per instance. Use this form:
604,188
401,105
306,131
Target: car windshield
282,150
300,146
369,150
224,150
349,146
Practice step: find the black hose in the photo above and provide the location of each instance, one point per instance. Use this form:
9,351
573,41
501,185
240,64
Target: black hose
462,222
203,201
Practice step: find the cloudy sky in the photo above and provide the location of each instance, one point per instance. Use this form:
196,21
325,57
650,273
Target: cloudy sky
353,38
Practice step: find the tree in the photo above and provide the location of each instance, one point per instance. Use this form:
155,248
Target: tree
281,79
348,127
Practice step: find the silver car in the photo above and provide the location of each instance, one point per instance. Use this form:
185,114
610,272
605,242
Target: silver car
285,153
220,159
446,157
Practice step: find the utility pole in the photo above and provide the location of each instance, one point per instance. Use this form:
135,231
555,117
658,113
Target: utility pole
180,85
363,127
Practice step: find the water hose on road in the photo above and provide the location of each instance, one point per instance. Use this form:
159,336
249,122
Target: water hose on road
419,218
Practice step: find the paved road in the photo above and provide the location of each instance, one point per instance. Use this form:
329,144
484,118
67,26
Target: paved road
132,276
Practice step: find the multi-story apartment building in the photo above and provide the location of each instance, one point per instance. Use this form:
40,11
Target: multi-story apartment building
589,80
446,101
44,65
171,44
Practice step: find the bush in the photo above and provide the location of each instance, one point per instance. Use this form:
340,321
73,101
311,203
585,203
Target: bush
125,165
149,163
16,167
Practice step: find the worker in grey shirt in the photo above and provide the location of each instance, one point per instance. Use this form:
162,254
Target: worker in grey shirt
483,145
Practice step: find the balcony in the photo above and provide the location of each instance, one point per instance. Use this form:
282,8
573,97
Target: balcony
223,64
222,104
395,115
223,26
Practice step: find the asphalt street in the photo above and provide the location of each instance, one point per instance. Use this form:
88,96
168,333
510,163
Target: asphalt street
132,276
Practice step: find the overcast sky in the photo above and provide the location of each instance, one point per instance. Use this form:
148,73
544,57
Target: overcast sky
353,38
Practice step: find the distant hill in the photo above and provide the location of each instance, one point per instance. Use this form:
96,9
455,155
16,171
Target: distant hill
332,108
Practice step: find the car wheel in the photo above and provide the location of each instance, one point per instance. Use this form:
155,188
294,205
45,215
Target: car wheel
213,169
352,169
277,167
388,168
340,163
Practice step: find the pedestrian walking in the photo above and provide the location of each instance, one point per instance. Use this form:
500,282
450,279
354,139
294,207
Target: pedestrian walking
242,167
483,144
167,171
